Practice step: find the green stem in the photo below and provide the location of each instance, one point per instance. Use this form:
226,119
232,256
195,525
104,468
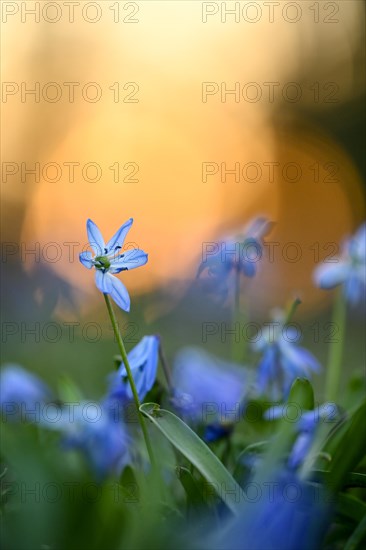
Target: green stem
165,366
237,293
291,310
123,353
237,349
336,348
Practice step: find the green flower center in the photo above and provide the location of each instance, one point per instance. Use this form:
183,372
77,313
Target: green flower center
102,262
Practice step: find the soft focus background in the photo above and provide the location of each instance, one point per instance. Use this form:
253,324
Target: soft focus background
149,61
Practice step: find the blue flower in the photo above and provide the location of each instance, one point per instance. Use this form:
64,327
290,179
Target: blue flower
305,427
348,270
143,360
101,437
213,432
240,252
286,513
108,261
282,359
22,394
208,391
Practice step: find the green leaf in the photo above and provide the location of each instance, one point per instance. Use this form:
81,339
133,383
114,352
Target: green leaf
355,479
351,479
191,487
350,507
355,391
350,449
302,394
358,537
197,452
243,467
199,503
68,390
129,486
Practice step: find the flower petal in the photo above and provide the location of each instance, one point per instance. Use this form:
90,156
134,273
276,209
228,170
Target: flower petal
143,360
258,228
120,235
266,371
213,432
330,275
309,420
209,390
86,259
329,412
102,281
298,358
357,245
96,240
103,442
248,268
108,284
354,287
129,260
250,254
275,412
18,386
153,351
118,292
300,449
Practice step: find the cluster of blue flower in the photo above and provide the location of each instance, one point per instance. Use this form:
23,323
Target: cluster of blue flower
102,436
203,389
349,270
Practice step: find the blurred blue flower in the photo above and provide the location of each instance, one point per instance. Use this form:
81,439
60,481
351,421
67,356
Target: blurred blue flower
208,391
108,261
287,513
240,252
143,360
282,359
305,427
22,394
213,432
349,269
101,437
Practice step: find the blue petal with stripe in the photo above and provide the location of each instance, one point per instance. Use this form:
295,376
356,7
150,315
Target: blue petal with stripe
96,240
86,259
119,237
129,260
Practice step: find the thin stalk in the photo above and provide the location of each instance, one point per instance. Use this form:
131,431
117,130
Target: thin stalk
164,364
336,349
237,293
237,351
123,353
291,310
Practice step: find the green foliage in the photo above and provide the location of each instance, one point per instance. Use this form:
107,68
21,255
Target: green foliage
194,449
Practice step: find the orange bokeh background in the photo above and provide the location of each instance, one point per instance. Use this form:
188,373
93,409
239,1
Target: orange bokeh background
170,132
